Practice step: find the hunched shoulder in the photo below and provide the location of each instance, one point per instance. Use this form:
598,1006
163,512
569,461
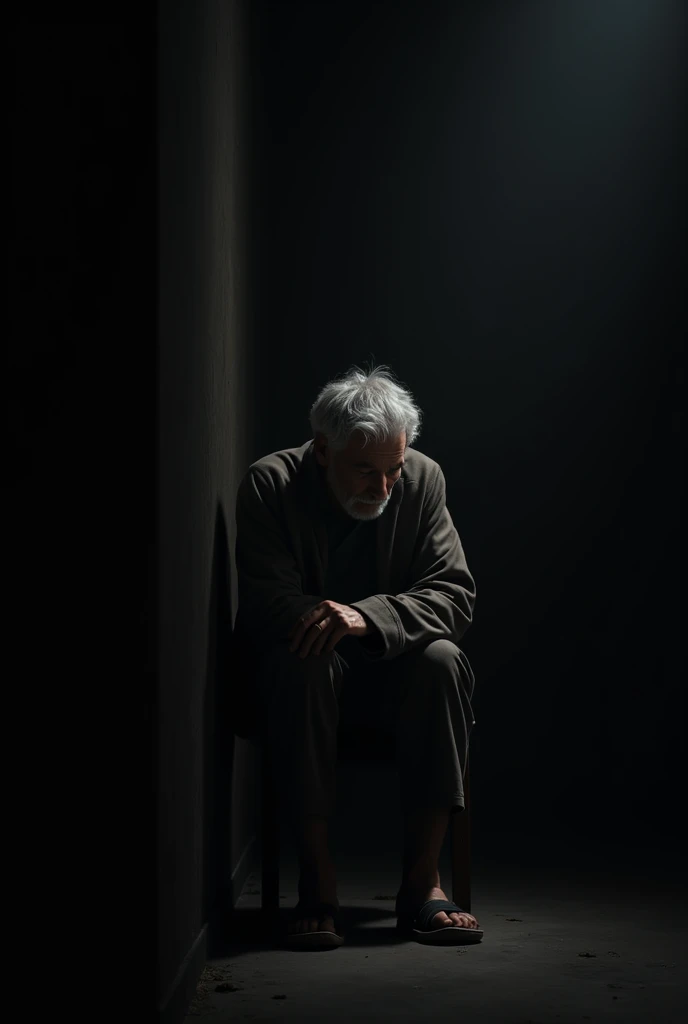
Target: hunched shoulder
420,471
281,465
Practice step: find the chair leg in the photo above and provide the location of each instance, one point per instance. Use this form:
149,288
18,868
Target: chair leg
460,838
269,840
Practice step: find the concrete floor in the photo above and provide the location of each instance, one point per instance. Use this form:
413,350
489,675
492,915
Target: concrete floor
573,932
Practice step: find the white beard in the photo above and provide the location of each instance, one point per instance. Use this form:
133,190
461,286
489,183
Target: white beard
351,505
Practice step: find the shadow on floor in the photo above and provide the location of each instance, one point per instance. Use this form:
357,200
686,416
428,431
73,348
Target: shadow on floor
248,928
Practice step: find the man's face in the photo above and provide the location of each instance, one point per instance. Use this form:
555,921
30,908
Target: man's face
361,477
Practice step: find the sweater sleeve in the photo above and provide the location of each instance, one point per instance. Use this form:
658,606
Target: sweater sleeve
270,585
439,602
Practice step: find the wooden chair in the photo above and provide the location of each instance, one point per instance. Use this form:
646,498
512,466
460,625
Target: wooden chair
459,828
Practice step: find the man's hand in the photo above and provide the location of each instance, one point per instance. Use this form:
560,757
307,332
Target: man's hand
324,626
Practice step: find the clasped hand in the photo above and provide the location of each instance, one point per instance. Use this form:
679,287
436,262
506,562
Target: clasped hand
335,621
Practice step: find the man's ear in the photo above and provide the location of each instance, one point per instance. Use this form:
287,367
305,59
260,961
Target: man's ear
322,450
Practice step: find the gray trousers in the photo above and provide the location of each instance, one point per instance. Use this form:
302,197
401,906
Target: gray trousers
423,696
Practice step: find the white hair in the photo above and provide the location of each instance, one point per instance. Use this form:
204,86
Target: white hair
372,403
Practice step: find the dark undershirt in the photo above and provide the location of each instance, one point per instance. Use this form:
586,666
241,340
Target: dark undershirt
351,562
351,573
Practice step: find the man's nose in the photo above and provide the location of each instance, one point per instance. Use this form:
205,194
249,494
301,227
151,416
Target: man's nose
382,490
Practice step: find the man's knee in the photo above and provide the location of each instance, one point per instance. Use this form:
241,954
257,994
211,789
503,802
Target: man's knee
443,663
441,656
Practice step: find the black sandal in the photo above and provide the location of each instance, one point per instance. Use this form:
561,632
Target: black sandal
315,940
417,925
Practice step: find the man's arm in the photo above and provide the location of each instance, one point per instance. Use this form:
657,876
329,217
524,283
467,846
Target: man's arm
439,603
270,586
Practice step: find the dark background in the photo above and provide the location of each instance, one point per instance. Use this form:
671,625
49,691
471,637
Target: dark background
218,207
490,198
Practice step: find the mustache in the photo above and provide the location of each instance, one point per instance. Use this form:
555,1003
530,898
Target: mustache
367,501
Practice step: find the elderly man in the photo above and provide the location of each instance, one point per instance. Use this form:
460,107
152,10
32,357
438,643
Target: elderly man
353,586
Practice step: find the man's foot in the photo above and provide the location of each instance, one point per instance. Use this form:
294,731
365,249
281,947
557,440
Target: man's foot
414,897
316,886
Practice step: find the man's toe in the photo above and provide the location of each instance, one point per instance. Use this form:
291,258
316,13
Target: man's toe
440,920
454,920
463,920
